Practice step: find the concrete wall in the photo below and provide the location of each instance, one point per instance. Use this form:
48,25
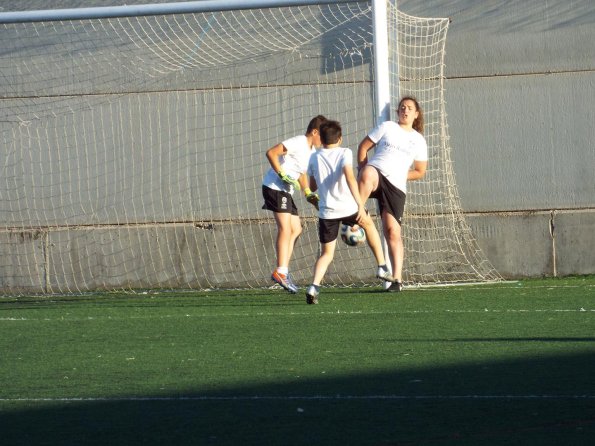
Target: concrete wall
520,91
520,88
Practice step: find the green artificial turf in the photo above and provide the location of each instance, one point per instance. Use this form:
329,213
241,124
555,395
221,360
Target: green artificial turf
508,363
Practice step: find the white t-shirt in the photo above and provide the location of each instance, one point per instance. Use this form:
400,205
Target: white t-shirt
294,162
395,151
326,167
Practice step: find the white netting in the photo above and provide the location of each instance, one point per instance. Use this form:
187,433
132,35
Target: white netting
133,148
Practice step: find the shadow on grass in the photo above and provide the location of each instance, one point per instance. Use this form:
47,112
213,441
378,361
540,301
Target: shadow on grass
546,400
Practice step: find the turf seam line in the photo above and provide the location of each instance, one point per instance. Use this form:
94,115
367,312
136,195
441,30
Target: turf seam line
323,313
305,397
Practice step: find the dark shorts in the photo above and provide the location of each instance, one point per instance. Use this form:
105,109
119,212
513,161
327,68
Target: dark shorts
278,201
328,229
390,198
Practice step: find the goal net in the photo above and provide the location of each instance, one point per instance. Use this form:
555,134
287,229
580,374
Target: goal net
133,148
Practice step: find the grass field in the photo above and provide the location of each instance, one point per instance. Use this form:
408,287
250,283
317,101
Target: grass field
510,363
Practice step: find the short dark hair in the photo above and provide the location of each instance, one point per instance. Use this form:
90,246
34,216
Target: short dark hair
330,132
315,124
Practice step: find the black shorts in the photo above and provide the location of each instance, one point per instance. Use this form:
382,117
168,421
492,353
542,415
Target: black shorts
278,201
390,198
328,229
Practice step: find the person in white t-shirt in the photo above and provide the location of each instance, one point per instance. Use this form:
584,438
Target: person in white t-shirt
400,155
289,161
331,175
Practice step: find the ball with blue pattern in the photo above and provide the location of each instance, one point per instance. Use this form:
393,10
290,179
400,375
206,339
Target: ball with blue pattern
353,235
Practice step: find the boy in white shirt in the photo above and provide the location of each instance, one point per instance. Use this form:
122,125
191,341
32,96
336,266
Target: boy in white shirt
289,161
331,174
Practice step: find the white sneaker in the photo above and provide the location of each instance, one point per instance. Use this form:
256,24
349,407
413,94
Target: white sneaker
312,295
384,274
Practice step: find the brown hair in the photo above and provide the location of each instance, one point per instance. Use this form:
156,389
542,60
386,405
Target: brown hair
315,124
418,124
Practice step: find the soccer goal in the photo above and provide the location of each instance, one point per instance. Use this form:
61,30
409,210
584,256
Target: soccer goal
134,138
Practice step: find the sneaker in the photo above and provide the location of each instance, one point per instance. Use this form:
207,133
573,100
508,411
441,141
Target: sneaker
395,287
293,288
312,295
384,274
284,281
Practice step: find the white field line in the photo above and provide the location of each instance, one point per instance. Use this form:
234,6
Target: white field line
294,313
304,398
508,285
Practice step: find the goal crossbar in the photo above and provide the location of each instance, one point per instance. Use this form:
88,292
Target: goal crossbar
106,12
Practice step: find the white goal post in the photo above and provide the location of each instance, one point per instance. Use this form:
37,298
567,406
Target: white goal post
134,138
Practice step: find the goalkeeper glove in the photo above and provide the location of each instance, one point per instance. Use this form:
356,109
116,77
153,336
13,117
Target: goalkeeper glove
312,198
288,180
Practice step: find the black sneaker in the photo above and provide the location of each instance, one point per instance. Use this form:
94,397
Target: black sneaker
312,295
395,287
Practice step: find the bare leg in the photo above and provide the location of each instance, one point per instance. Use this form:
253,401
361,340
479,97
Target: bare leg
373,239
392,234
288,230
323,262
367,182
296,230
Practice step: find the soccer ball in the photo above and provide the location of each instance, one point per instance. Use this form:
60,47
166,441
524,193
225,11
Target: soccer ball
353,235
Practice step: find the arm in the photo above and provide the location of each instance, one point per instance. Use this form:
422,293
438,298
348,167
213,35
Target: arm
273,155
362,151
313,185
303,180
353,187
418,171
310,193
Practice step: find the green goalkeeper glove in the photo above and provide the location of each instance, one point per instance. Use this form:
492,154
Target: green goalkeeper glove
288,180
312,198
